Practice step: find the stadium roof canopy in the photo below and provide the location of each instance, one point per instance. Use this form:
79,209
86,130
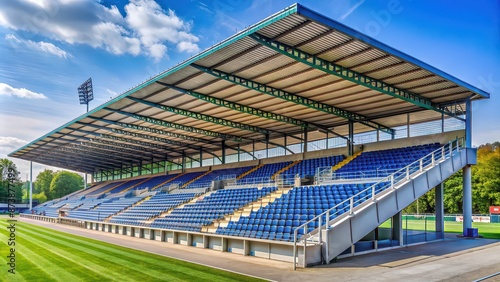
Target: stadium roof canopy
295,75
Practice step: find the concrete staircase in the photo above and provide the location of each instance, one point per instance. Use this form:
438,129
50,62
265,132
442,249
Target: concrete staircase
133,186
404,187
250,171
246,210
346,161
113,187
285,169
194,179
133,205
192,201
92,189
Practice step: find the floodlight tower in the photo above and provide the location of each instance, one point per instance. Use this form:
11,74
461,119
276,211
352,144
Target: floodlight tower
86,92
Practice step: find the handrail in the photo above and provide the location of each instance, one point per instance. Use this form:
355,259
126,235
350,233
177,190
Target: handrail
437,156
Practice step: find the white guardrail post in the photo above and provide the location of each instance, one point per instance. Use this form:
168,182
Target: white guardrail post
305,246
295,249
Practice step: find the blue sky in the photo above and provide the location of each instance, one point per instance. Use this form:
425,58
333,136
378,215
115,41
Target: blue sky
49,47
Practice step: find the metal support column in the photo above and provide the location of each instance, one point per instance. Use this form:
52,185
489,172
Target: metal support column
31,185
407,125
438,191
267,146
350,141
442,123
467,170
284,141
253,147
397,228
239,153
85,181
201,157
327,140
223,146
305,140
183,162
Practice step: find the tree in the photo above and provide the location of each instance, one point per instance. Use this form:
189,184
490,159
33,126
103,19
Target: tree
43,181
7,165
486,178
453,198
64,183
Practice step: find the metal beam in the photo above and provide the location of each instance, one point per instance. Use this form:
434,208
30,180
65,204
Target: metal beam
347,74
93,154
66,162
50,162
155,130
76,161
144,136
278,93
123,151
138,135
239,107
137,142
127,146
159,139
178,126
240,149
203,117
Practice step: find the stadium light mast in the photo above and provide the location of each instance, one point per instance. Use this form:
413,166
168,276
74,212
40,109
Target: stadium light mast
86,94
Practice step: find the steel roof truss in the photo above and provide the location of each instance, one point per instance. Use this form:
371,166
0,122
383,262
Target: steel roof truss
294,98
178,126
347,74
203,117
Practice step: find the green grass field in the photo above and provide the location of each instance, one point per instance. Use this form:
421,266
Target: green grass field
44,254
487,230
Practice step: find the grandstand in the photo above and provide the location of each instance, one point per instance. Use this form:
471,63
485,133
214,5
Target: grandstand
291,140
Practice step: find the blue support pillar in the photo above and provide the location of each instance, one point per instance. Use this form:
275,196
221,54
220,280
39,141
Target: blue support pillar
439,196
467,171
31,185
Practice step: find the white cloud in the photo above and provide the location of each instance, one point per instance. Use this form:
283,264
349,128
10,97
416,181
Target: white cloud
9,144
10,91
146,28
188,47
154,27
45,47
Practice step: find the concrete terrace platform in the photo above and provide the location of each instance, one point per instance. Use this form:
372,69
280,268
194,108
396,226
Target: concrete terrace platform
452,259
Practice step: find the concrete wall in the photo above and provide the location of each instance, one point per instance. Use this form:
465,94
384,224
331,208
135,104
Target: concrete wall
442,138
325,153
235,165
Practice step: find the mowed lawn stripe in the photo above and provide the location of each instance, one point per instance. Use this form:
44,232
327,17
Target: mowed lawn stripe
113,262
49,263
140,261
6,276
98,271
178,270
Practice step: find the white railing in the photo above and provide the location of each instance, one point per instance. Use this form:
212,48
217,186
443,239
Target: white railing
255,180
323,174
363,174
285,179
347,206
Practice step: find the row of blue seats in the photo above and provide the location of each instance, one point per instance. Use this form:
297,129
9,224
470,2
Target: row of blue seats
210,208
309,208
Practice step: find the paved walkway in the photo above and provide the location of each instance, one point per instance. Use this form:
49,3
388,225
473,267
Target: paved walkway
452,259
